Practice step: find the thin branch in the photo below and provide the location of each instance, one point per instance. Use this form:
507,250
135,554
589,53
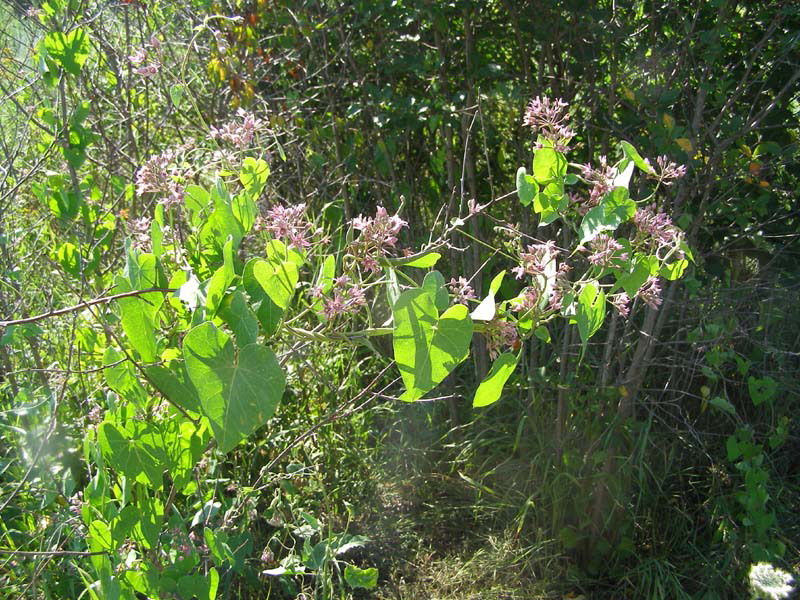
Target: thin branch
51,552
83,305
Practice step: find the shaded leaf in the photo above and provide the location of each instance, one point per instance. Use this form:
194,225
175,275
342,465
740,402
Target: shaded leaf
526,187
237,393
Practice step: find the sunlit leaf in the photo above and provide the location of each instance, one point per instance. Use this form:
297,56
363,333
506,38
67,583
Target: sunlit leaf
242,321
614,209
632,154
140,313
424,262
361,578
591,310
128,456
220,281
427,347
68,50
548,164
434,284
485,311
491,387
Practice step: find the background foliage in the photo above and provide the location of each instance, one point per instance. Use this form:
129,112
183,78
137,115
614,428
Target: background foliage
659,462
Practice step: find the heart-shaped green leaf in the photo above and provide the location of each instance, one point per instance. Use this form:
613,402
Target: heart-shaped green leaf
637,275
242,321
238,393
427,347
253,176
761,390
361,578
434,284
548,164
128,456
173,384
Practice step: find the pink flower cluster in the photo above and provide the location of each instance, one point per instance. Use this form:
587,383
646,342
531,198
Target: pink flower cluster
536,259
289,224
561,286
347,298
621,302
239,133
499,335
658,226
462,290
600,179
527,300
650,292
139,230
378,235
159,176
550,119
139,59
604,248
669,171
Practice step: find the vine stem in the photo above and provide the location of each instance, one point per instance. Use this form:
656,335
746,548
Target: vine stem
82,305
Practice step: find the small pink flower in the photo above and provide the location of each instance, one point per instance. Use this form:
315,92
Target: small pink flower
650,292
656,227
346,300
461,289
474,207
368,263
239,133
604,248
561,286
159,176
600,178
138,57
621,302
378,236
380,231
290,224
536,259
499,335
550,119
139,230
668,170
528,300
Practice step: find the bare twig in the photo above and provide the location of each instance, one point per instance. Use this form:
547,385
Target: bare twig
29,553
83,305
